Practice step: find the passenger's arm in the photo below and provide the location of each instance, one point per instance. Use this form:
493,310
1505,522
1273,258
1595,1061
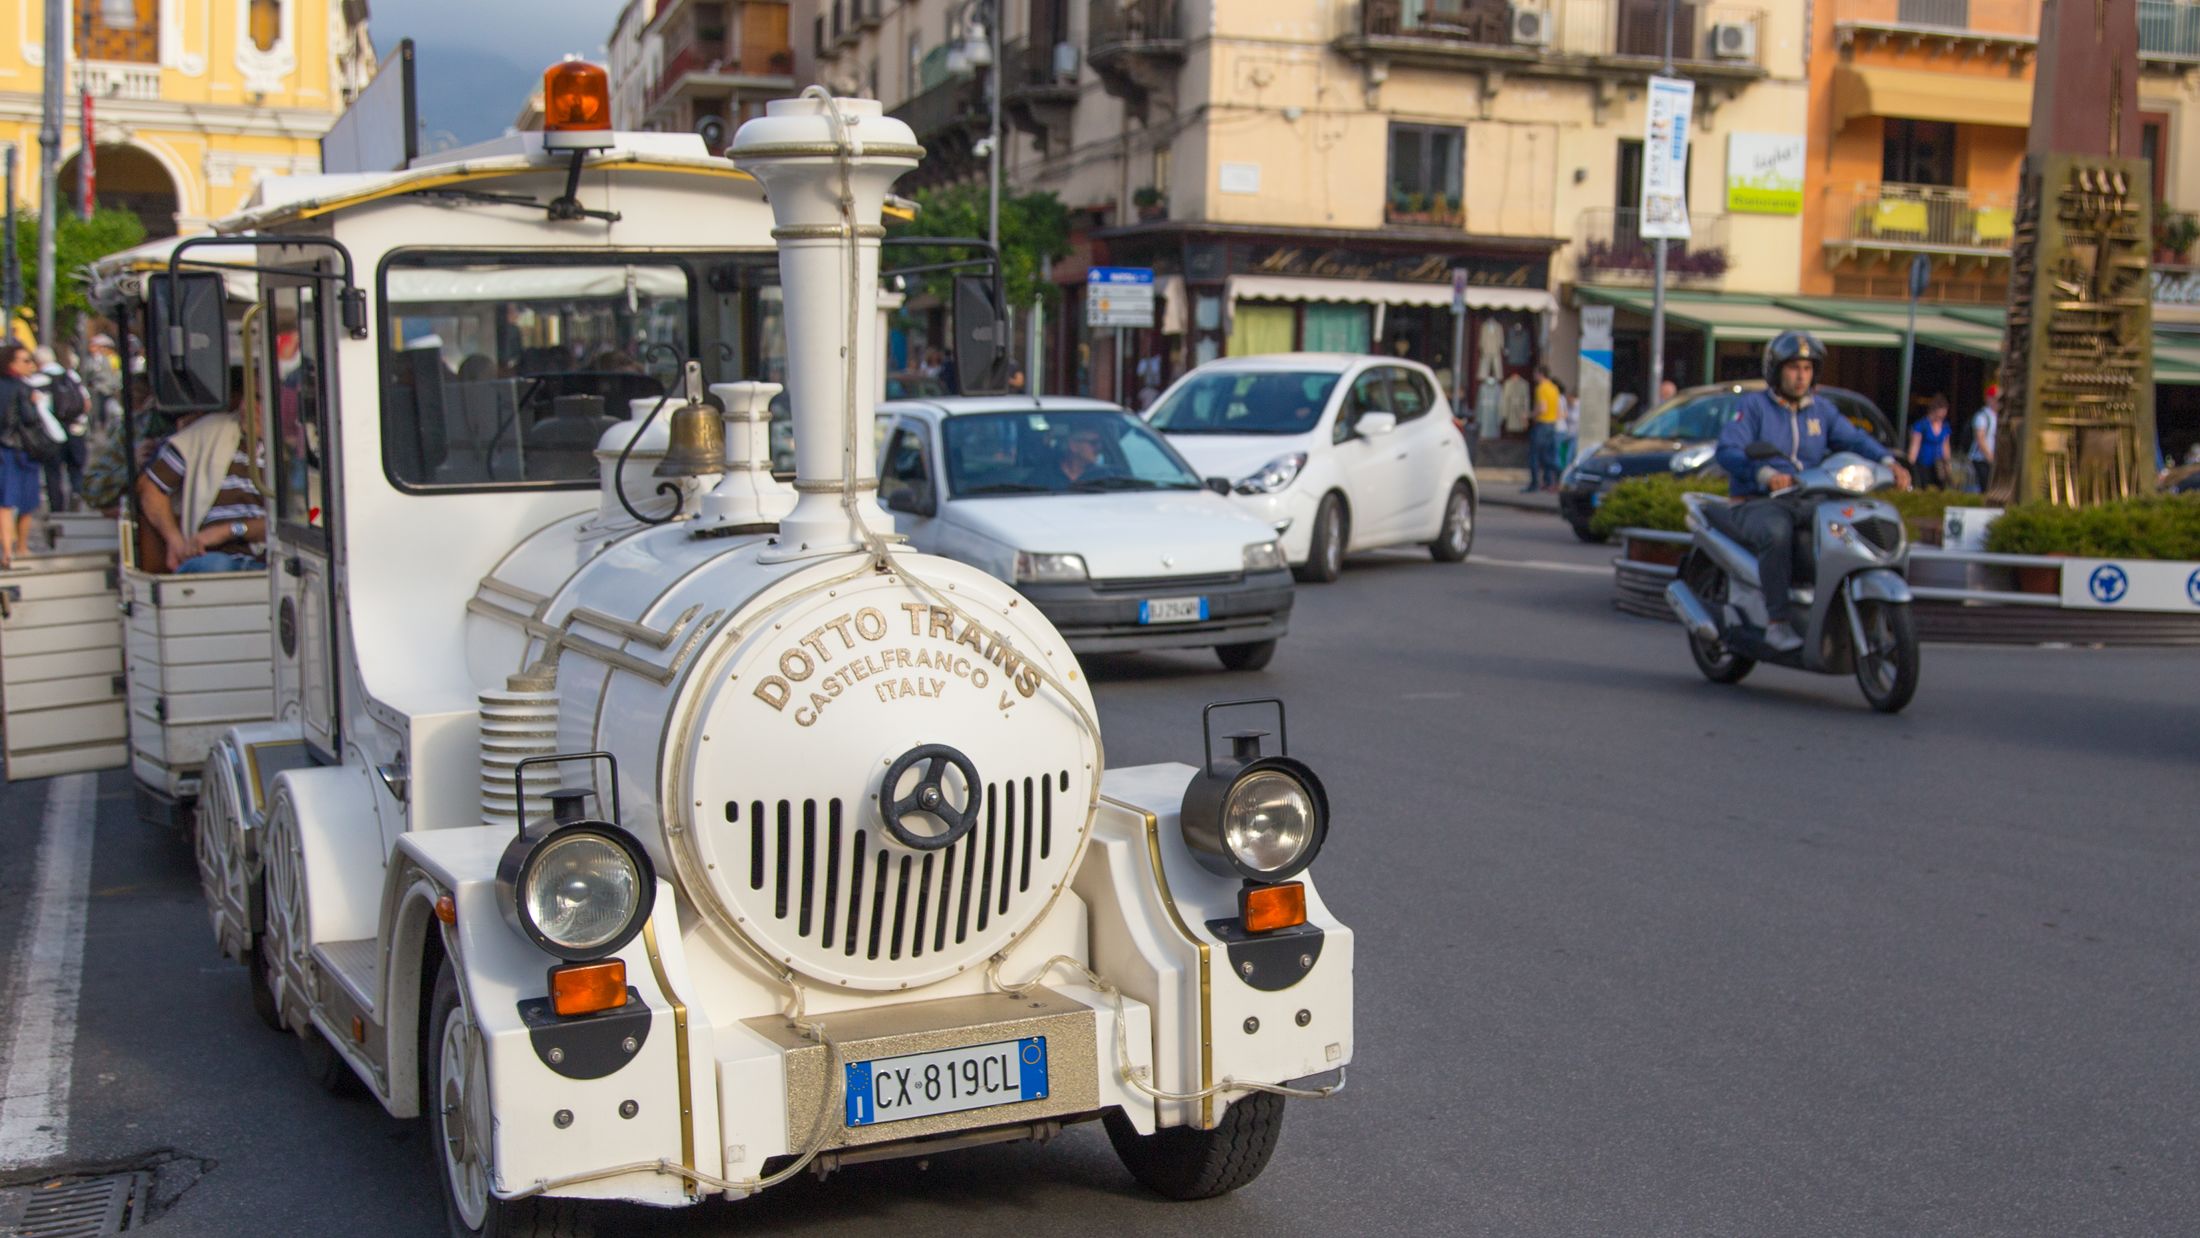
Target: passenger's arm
155,508
1733,449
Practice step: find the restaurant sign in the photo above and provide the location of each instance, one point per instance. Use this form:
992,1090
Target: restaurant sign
1423,268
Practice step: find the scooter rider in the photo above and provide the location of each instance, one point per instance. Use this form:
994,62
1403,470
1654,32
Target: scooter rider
1788,415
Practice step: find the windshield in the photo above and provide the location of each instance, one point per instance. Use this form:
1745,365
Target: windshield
502,372
1693,418
1058,453
1238,402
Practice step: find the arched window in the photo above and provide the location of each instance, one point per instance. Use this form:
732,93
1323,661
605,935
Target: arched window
266,23
125,30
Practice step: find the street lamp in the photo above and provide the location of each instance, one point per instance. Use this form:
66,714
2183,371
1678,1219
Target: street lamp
980,48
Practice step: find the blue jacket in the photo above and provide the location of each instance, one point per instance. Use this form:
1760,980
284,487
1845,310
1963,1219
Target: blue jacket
1806,436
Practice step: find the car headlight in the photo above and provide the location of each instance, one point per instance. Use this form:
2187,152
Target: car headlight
1856,478
1033,568
578,888
1264,820
1264,556
1274,475
1692,457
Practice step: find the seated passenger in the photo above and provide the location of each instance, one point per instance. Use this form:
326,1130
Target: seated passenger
201,481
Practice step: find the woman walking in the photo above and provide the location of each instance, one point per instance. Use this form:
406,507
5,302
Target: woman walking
1929,446
21,475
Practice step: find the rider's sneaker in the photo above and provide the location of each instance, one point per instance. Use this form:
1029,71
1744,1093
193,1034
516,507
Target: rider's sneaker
1782,638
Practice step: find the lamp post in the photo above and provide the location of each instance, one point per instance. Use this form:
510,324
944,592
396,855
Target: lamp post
1657,287
49,156
972,52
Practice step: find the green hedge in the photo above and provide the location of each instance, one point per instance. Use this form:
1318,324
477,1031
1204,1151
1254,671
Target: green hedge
1652,502
2159,527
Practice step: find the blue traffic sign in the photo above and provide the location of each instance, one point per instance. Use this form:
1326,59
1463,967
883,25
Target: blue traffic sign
1119,275
2192,588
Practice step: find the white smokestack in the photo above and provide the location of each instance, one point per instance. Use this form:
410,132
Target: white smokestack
812,167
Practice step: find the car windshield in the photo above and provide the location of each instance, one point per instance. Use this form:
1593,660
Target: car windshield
1058,453
1692,418
1242,402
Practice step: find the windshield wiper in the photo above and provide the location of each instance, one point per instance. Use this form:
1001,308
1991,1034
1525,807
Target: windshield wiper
1113,483
1009,487
1219,430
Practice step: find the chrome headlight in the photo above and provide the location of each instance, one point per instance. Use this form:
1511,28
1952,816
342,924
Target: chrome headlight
1274,475
1858,478
1264,556
578,888
1264,820
1034,568
1692,457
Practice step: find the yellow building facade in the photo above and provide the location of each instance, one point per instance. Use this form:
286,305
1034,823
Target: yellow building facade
193,101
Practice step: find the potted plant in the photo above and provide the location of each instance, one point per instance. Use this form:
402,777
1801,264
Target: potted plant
1151,203
2175,233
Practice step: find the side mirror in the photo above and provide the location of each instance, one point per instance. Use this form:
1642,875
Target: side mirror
979,337
1220,485
915,500
1762,450
1623,406
1375,425
187,342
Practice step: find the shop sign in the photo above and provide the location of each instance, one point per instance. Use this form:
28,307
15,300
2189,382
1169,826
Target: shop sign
1764,173
1119,297
1665,159
2129,584
1397,268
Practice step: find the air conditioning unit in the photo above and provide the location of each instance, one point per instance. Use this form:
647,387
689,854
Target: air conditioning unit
1530,27
1733,40
1065,61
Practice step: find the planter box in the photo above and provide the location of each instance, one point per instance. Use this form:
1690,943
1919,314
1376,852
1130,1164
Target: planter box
1666,553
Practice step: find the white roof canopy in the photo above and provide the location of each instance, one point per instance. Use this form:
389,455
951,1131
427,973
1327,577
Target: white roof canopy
1381,292
525,282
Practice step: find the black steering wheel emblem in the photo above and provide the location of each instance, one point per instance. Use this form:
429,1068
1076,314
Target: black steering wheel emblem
932,797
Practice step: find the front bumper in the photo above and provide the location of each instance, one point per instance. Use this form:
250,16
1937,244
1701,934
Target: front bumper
1101,616
1577,500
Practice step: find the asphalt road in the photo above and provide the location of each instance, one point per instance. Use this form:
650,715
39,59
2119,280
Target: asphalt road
1638,954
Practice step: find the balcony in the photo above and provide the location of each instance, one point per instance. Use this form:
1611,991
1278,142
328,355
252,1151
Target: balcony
711,70
1135,47
1416,210
1884,221
1556,38
948,117
1994,28
1609,249
2169,30
117,81
1039,88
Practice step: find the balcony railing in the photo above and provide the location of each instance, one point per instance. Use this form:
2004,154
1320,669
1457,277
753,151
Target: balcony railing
711,56
118,81
2169,29
1130,23
1611,248
1431,210
1703,34
1965,17
1919,218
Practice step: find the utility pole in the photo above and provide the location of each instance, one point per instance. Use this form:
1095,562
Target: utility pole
1657,287
49,157
11,268
993,129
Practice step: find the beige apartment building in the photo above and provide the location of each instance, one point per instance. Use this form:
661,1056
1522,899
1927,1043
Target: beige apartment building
1315,173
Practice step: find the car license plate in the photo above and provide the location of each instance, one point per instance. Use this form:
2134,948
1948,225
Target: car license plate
918,1085
1172,610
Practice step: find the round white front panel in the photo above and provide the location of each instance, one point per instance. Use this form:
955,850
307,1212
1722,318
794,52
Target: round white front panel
793,732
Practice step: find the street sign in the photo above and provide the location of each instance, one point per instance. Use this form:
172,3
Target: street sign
1665,159
1458,290
1119,297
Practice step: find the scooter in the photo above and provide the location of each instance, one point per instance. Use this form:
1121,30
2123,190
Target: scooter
1852,593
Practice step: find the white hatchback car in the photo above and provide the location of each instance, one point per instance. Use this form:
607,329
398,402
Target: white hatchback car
1332,451
1093,517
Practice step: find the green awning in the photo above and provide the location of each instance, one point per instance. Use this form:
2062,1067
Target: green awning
1746,318
1935,327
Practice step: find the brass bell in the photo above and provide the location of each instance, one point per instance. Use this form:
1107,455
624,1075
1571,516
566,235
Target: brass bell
697,445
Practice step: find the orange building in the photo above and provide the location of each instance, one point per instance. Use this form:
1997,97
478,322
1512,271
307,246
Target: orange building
1918,119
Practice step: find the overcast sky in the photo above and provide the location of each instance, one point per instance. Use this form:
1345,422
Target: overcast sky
478,59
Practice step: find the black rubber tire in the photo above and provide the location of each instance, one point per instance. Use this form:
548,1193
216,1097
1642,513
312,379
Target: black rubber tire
1584,533
1332,533
263,992
1894,621
1455,539
1184,1163
324,1065
539,1216
1247,657
1718,663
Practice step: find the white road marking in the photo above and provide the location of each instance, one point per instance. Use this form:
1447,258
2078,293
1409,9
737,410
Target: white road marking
44,980
1545,565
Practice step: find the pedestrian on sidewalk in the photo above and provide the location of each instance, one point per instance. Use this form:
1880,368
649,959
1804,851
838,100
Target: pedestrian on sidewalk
21,433
1985,424
1543,434
70,404
1569,427
1929,446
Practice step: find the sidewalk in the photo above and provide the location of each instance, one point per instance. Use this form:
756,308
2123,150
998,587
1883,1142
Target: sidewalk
1501,486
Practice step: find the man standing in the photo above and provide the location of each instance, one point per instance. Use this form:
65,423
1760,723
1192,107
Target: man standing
70,405
1543,434
1985,423
202,482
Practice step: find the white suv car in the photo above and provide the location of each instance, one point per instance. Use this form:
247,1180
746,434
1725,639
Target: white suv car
1335,452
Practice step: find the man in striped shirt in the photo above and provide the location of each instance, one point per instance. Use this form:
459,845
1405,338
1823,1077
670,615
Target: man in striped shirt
202,481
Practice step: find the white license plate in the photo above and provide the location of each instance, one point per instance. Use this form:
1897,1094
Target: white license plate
1172,610
918,1085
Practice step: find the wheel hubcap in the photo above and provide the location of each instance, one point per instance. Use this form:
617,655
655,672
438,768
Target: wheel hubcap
1333,555
1460,522
464,1120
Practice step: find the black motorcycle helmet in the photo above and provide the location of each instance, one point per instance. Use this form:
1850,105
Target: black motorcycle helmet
1793,346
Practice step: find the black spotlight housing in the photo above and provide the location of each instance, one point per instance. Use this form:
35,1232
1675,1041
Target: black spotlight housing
538,839
1204,814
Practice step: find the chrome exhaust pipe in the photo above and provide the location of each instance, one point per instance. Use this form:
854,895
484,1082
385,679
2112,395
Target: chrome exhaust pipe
1691,611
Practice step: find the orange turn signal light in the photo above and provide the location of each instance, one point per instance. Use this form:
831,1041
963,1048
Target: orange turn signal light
1267,908
576,95
585,988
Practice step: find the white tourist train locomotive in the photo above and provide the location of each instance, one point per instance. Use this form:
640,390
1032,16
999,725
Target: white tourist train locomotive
658,830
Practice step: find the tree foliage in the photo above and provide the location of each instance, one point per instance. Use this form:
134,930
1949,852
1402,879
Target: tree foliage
78,243
1034,230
